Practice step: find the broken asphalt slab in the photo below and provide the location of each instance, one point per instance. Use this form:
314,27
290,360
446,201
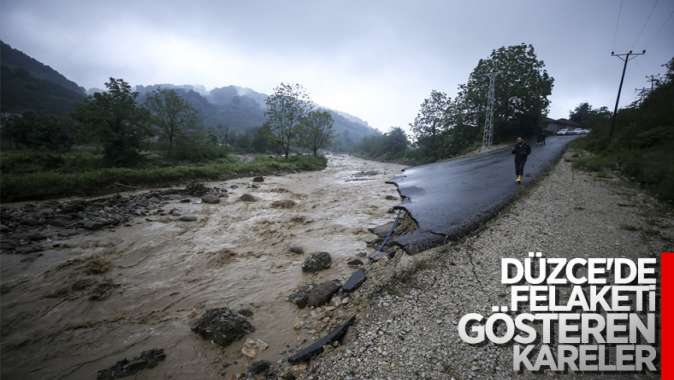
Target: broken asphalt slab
449,199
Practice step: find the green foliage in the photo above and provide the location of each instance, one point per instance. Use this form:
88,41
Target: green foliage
642,147
37,131
391,146
174,118
521,94
27,161
286,108
50,184
316,130
445,128
117,121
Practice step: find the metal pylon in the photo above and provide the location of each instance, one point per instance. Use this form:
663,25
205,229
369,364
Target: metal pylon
488,136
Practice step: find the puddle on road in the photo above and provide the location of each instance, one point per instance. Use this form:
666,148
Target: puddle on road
165,272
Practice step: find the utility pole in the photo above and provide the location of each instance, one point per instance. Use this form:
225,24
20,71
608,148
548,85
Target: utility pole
625,57
488,136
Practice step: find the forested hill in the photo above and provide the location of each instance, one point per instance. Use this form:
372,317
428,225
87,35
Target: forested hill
29,85
239,109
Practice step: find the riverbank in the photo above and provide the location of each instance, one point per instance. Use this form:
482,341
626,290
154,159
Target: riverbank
41,185
103,279
407,328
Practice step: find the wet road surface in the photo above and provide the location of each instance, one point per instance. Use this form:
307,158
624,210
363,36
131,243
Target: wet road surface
450,198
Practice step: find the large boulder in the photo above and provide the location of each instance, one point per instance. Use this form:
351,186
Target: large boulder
222,326
248,198
317,262
210,198
322,293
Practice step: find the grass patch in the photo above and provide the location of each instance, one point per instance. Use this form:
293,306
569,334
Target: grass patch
51,184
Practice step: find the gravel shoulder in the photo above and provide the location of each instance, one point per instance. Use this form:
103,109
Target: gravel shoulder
406,325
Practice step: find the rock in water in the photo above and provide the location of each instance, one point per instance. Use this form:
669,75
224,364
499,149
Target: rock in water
188,218
288,203
251,347
210,198
259,367
222,326
196,189
258,179
357,278
300,296
317,262
248,198
322,293
296,249
126,367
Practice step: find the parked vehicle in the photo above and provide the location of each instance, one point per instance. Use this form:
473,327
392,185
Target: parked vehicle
563,131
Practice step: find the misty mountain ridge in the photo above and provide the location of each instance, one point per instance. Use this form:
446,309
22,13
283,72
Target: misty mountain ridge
29,85
239,108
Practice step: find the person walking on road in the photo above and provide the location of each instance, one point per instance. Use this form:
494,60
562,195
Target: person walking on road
521,151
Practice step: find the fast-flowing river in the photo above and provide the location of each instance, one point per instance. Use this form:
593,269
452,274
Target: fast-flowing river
92,298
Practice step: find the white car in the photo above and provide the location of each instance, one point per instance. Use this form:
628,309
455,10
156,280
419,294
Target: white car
563,131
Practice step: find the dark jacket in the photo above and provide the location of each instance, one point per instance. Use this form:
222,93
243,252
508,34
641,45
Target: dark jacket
521,150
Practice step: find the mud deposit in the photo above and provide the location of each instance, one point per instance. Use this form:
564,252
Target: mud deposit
108,282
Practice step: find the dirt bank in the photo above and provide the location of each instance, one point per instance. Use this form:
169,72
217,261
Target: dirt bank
89,294
409,328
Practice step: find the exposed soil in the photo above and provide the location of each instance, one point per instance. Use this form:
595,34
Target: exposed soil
86,283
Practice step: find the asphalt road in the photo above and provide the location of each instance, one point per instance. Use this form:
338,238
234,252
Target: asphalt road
451,198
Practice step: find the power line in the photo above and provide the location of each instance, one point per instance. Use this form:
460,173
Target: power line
662,26
643,28
617,22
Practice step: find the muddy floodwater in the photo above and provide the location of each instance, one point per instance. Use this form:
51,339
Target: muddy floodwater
91,298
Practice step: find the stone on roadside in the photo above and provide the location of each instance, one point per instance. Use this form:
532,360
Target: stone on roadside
357,278
317,262
222,326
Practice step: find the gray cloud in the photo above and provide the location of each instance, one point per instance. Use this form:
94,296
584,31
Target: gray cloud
375,59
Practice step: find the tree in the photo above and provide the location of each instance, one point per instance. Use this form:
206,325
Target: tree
117,121
173,115
521,94
432,119
581,113
316,130
286,108
38,131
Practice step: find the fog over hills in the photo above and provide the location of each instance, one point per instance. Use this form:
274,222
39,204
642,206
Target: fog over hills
30,85
239,108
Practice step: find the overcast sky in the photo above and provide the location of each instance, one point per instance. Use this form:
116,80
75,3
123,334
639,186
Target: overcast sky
375,59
